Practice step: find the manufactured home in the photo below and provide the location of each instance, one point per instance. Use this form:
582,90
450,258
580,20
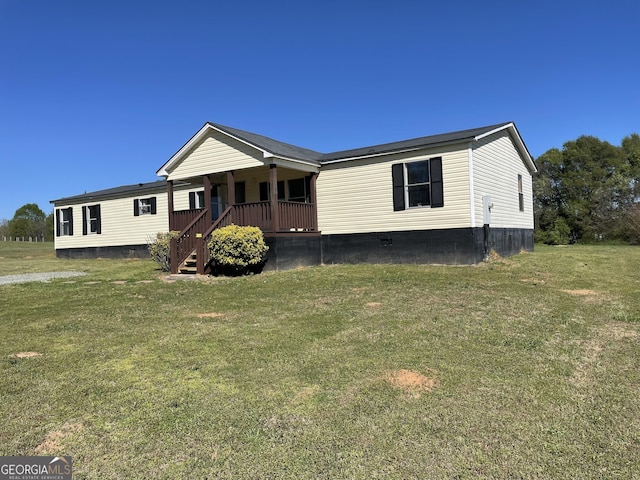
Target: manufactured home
447,198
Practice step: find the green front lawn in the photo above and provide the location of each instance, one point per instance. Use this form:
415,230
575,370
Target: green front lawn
526,367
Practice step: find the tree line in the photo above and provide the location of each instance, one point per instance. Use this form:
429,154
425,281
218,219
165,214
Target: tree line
29,221
588,191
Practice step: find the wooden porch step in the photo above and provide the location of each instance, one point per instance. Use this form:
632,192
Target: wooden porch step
189,266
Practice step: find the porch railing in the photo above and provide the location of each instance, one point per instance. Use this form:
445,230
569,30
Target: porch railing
185,244
293,217
182,218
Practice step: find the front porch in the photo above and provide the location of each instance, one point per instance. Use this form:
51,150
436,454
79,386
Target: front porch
279,209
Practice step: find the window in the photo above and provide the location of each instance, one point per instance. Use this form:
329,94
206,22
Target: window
240,190
520,194
265,191
91,222
417,184
144,206
196,200
297,190
64,222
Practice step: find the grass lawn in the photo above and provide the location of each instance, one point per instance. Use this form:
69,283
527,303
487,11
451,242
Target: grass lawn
526,367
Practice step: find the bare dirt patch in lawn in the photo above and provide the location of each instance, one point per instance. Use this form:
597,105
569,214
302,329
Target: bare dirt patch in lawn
25,355
411,382
374,304
581,292
619,331
54,441
210,315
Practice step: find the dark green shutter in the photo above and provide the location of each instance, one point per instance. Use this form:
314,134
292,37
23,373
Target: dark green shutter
397,178
57,222
192,200
98,220
70,220
136,207
154,205
437,190
84,220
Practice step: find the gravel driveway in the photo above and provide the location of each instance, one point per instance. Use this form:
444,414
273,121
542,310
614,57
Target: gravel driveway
37,277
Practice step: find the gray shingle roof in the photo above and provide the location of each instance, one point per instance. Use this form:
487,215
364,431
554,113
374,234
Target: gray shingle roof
272,146
459,136
287,150
142,188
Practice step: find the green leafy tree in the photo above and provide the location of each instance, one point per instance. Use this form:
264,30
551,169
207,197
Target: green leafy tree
4,227
590,184
28,221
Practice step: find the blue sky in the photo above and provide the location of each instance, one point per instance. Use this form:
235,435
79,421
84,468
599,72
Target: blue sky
100,94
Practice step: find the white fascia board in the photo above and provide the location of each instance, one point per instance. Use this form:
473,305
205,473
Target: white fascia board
515,136
162,172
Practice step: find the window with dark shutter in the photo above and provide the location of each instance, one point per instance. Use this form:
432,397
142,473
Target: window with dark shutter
417,184
64,221
91,221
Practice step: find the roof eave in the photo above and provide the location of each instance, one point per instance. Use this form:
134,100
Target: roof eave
520,145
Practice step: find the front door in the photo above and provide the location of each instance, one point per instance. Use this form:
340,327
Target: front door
217,204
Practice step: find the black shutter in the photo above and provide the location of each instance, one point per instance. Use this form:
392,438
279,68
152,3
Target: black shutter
57,222
192,200
397,178
240,192
264,191
136,207
154,205
437,190
70,220
84,220
98,220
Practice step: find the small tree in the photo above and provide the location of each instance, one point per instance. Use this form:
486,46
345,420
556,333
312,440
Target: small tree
632,224
28,221
160,249
238,250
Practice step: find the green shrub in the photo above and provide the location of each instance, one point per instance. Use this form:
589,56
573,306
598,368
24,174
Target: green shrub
160,249
558,235
238,250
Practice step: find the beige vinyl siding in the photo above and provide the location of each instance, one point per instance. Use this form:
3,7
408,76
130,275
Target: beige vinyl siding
118,224
216,153
356,196
496,166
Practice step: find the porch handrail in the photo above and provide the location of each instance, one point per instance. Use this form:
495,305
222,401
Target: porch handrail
185,243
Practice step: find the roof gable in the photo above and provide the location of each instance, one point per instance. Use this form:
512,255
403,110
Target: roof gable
275,148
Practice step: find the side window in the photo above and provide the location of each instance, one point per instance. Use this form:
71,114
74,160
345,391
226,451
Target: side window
64,222
297,190
91,221
240,189
265,191
196,200
417,184
520,194
144,206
